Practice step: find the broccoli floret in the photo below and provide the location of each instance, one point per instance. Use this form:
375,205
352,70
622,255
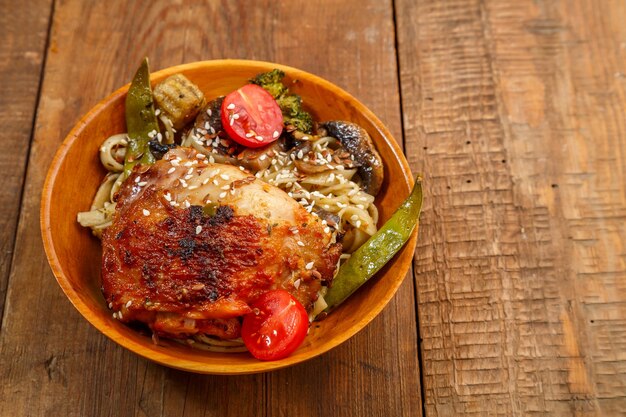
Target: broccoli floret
272,82
290,104
302,121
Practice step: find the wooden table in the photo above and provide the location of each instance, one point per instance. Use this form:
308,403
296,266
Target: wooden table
515,113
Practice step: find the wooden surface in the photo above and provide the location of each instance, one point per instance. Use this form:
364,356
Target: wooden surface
515,111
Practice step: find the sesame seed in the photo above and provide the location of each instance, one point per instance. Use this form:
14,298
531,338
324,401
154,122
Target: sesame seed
275,134
171,170
300,243
183,183
235,116
231,121
168,197
358,223
215,182
146,212
190,170
188,164
209,112
211,159
223,194
224,176
198,229
259,138
175,162
110,305
157,112
173,203
159,137
296,284
200,156
119,315
186,202
249,134
300,154
129,303
327,229
262,157
137,179
274,162
205,181
309,265
207,126
231,106
241,168
225,187
192,187
305,138
188,177
354,217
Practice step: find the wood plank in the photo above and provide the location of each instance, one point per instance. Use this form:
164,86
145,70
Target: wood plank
359,55
72,370
515,112
21,58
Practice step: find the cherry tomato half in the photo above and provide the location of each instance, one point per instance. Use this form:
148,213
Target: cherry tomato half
251,116
276,327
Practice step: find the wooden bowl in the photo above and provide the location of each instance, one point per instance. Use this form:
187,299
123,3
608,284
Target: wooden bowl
75,255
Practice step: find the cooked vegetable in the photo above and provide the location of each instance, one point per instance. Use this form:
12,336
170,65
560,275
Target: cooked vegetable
378,250
272,81
251,117
276,327
179,99
290,104
141,121
359,143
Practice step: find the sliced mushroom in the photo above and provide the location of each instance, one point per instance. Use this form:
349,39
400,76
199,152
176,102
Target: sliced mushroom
359,143
209,117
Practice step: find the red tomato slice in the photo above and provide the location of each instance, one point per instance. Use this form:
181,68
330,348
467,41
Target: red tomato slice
276,327
251,116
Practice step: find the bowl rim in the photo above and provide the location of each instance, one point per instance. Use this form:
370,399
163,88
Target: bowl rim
183,363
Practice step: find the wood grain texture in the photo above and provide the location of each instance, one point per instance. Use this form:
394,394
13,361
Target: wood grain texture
515,112
72,369
21,58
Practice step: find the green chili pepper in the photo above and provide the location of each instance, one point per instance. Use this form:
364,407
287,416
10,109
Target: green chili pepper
140,119
377,251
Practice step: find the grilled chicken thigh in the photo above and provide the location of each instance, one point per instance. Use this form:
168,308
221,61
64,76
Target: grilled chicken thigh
192,244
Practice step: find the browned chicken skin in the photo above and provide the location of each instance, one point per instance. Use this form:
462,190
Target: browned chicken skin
192,244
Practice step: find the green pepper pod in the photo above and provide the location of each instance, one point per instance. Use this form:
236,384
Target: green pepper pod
140,119
378,250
